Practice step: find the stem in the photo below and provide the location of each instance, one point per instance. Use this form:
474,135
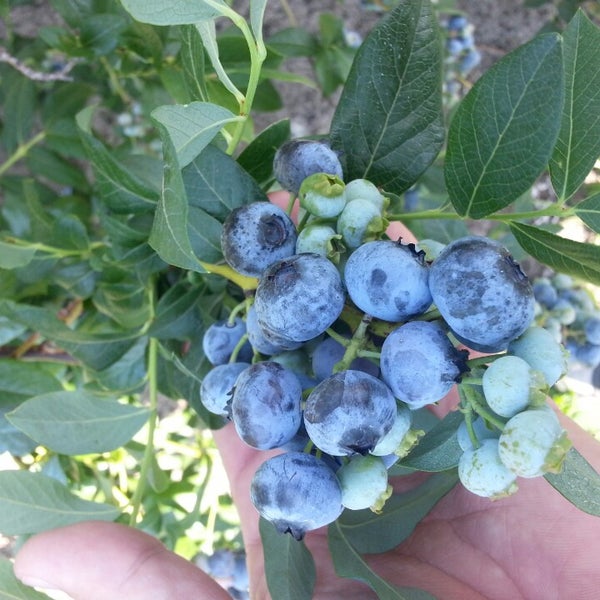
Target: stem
136,500
356,343
21,152
289,13
471,397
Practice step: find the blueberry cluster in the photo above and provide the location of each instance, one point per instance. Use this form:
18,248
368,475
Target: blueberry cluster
569,311
349,332
229,568
516,434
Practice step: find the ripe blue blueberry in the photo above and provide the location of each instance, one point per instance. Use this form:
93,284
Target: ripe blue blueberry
481,293
221,338
265,405
298,298
297,159
217,386
591,328
296,492
420,364
256,235
388,280
349,412
545,293
329,352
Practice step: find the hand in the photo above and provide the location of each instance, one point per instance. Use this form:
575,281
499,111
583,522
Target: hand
533,544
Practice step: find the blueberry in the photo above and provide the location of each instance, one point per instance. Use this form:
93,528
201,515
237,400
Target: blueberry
362,189
588,354
364,481
256,235
299,298
400,439
217,386
481,471
411,199
329,352
469,61
260,342
533,443
481,293
564,312
457,23
591,328
322,195
221,338
296,492
349,412
420,364
388,280
320,238
509,384
454,46
545,293
360,222
538,347
295,160
265,405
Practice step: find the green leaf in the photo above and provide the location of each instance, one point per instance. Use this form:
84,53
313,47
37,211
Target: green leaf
12,589
217,184
503,132
19,101
563,255
69,232
78,422
289,565
123,299
349,563
192,127
257,15
101,32
13,257
119,189
193,63
578,144
371,533
293,42
97,350
438,449
32,502
588,211
257,157
48,164
205,235
177,314
578,482
176,12
169,236
388,125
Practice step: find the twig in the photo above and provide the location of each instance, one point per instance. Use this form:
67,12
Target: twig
61,75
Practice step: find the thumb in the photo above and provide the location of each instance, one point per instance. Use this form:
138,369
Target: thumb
102,561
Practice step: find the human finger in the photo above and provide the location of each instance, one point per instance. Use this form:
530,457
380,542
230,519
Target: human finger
97,560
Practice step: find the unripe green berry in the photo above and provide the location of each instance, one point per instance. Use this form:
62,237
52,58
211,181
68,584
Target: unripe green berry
322,195
364,482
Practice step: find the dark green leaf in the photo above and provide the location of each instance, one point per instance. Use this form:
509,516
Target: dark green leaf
388,124
293,41
205,235
257,157
70,233
12,589
193,62
215,183
97,350
371,533
438,449
13,256
78,422
32,502
177,314
48,164
100,32
578,144
123,299
349,563
20,97
120,190
563,255
77,278
502,134
588,211
169,236
65,101
289,565
578,482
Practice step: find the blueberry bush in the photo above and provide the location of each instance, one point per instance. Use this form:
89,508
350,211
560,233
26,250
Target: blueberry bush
150,292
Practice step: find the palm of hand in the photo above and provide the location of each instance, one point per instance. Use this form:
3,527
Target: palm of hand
534,544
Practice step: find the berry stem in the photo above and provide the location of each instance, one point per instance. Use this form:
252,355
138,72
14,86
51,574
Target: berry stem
472,397
355,345
21,152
